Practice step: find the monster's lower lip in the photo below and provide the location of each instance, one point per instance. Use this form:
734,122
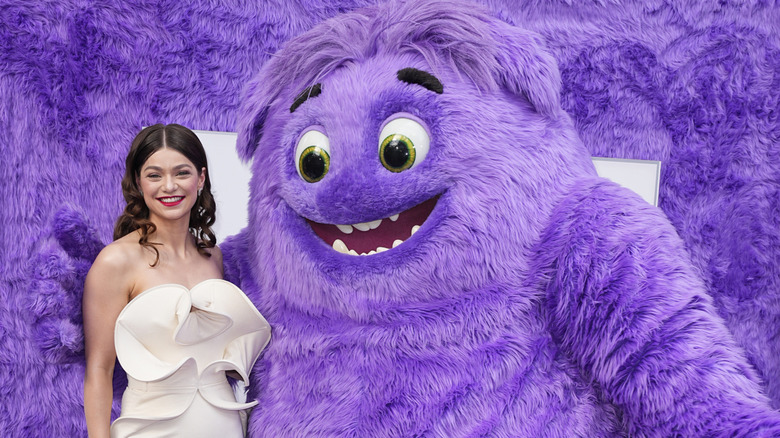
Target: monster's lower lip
368,238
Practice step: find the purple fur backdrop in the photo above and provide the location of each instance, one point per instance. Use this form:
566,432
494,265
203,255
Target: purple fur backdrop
693,84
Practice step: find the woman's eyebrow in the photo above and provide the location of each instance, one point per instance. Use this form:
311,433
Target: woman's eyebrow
177,167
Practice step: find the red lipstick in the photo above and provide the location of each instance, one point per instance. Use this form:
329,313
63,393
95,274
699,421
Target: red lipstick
177,201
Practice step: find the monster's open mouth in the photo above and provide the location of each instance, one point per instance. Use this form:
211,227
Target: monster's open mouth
368,238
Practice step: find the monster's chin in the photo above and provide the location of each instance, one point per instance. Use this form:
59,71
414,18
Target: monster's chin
377,236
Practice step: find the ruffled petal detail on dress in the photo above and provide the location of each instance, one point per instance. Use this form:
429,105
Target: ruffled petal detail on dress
216,369
141,322
176,345
198,322
146,404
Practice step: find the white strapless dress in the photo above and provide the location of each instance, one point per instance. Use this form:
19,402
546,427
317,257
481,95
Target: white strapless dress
175,345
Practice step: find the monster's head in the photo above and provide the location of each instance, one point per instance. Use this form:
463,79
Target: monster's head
403,152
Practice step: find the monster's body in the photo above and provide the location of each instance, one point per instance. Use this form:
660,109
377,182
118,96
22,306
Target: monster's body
535,300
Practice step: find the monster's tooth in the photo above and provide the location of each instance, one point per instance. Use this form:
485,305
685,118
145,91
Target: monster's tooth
381,249
363,226
415,228
374,224
372,252
397,242
362,253
340,246
394,217
352,252
346,229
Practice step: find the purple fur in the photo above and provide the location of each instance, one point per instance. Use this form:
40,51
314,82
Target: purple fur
536,300
691,83
77,81
57,274
652,342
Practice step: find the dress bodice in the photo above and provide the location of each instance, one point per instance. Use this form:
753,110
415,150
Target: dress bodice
176,344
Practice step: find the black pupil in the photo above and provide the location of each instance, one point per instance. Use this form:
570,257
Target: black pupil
396,153
313,165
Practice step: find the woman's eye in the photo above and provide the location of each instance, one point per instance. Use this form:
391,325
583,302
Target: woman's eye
184,173
403,143
312,156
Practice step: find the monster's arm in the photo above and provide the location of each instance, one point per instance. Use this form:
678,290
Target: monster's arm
236,260
58,267
625,304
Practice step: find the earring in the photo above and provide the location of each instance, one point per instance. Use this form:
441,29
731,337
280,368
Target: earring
200,190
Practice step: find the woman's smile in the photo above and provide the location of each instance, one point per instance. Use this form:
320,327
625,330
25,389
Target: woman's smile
169,183
171,201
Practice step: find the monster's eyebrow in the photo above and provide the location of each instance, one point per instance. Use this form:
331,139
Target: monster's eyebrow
312,91
419,77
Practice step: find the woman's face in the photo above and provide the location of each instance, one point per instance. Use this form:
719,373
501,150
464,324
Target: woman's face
169,183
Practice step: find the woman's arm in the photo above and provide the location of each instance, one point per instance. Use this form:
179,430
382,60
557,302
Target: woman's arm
106,292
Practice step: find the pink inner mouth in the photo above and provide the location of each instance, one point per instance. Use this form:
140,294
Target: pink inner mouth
384,235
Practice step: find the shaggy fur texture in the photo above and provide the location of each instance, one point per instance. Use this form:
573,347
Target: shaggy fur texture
535,300
691,83
77,81
697,94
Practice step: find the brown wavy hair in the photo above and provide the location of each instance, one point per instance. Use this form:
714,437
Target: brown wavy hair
136,213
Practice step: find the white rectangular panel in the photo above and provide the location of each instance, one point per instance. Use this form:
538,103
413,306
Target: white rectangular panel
641,176
229,181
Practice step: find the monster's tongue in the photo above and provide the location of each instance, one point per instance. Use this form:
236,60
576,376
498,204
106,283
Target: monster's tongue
388,234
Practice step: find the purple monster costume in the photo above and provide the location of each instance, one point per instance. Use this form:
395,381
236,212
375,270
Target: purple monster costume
535,299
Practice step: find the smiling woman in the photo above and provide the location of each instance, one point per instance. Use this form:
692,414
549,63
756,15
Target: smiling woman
170,184
155,300
153,148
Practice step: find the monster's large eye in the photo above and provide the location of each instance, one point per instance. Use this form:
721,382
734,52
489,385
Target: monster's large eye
312,156
403,143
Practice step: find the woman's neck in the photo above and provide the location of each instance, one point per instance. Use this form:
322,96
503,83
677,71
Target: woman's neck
174,235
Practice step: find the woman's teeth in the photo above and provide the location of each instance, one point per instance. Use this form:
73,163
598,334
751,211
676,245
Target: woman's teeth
171,201
341,247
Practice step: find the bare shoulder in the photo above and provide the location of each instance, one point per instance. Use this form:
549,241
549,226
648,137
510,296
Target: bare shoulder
216,256
114,268
216,252
119,254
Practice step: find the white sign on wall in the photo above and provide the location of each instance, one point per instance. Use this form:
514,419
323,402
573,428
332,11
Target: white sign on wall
641,176
230,179
229,182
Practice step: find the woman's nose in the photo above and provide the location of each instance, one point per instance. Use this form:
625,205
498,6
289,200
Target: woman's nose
170,184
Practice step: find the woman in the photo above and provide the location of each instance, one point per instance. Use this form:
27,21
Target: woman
155,300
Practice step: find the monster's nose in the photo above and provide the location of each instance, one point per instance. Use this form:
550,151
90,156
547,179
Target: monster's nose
350,197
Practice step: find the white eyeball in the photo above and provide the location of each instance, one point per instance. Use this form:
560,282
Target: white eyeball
403,143
312,155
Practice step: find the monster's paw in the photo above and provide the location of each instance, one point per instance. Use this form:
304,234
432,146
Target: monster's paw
75,234
235,256
57,270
